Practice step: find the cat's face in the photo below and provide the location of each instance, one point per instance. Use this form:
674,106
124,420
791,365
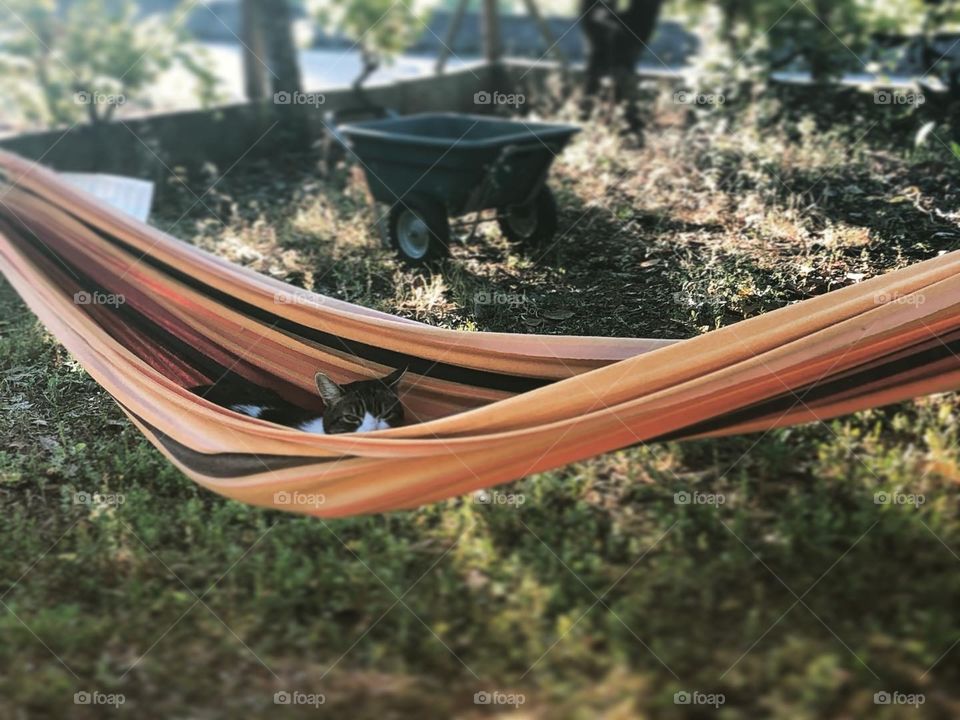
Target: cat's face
361,406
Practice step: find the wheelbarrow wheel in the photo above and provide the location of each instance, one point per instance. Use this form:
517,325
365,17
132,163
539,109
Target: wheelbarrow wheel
419,231
534,223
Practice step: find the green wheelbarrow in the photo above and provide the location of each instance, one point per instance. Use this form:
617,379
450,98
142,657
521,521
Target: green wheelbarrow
434,166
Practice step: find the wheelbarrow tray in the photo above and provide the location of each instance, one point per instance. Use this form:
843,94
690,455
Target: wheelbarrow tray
466,162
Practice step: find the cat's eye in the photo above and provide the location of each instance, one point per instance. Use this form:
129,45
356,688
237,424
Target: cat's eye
353,419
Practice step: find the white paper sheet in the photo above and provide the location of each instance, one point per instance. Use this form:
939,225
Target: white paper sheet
129,195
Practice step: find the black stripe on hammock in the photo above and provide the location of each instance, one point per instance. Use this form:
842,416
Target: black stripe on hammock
226,465
203,364
823,390
418,365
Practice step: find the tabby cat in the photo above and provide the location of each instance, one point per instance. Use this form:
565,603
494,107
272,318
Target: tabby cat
359,406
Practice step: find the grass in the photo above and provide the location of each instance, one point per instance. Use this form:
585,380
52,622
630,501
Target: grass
793,593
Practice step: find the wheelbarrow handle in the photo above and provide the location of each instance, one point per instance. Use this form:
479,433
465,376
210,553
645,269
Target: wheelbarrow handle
332,128
332,124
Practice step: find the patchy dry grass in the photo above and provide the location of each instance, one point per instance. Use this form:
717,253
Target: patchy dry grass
600,595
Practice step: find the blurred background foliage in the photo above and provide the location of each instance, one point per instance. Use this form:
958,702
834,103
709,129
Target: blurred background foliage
51,51
81,60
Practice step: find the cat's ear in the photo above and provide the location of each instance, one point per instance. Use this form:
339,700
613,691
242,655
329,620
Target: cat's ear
329,390
393,378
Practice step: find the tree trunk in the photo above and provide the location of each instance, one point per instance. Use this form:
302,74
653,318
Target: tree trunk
277,24
284,68
446,47
492,48
256,78
822,43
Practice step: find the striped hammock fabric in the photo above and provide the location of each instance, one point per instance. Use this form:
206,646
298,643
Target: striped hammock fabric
149,316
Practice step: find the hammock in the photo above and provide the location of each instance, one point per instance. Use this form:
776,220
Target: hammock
489,407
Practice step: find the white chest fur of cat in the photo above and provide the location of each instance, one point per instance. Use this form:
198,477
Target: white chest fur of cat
315,426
